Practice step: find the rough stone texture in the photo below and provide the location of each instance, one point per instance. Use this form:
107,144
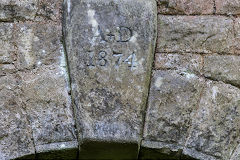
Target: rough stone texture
44,85
48,105
7,52
215,128
49,10
237,34
173,99
35,102
38,45
236,153
188,62
224,68
18,9
229,7
159,150
199,34
34,10
62,150
15,131
110,47
184,121
189,7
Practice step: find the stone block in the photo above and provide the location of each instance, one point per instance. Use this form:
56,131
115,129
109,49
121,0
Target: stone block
49,10
236,153
48,104
187,7
15,130
44,85
18,9
228,7
110,47
173,100
38,45
7,55
187,62
224,68
195,34
237,34
8,51
215,127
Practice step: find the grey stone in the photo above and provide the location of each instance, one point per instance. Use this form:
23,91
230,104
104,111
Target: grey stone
48,104
195,34
110,47
224,68
7,55
189,7
198,155
15,130
215,128
38,109
236,153
173,100
8,51
159,150
49,10
237,34
18,9
38,45
228,7
187,62
44,84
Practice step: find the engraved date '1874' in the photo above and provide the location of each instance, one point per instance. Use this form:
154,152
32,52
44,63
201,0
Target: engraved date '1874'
103,59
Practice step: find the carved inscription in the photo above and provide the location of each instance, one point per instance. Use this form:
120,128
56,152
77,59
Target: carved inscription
103,59
119,34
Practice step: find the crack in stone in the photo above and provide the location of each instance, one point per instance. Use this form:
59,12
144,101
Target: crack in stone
224,81
214,7
70,87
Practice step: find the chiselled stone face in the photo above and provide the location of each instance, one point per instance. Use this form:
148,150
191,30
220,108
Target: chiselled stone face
110,48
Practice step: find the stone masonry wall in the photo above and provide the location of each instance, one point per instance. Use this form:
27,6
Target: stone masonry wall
193,108
194,96
35,106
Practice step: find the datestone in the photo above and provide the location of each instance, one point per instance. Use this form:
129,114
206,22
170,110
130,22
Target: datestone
110,46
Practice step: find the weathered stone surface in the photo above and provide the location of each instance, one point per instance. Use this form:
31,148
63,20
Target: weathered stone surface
110,48
15,131
7,52
172,102
48,104
62,150
236,153
45,90
215,128
49,10
38,45
33,55
229,7
223,68
185,7
201,34
6,43
188,62
159,150
237,34
18,9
